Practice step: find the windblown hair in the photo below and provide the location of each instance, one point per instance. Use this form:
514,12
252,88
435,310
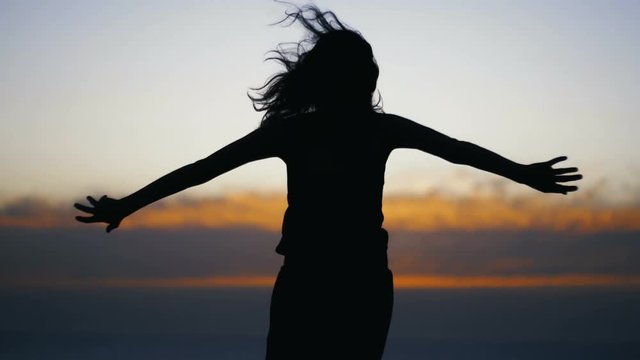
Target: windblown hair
333,67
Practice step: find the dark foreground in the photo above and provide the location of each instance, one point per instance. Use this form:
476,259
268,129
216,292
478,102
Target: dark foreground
578,323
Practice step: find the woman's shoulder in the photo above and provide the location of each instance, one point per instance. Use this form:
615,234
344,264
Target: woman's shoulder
393,123
390,118
317,120
389,122
286,120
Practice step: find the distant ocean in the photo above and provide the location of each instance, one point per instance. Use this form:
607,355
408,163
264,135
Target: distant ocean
197,347
96,324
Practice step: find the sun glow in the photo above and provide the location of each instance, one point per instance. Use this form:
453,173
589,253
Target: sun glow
416,281
430,212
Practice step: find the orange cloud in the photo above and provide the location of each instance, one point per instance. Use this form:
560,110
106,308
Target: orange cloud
400,282
233,210
437,212
418,213
430,212
455,282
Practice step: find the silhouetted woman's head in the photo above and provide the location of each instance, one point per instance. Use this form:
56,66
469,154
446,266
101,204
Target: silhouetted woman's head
333,69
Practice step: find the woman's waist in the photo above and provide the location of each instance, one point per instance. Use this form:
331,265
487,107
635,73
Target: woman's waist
333,217
342,248
336,261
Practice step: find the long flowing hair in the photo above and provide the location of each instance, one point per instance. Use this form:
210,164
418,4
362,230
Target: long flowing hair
332,67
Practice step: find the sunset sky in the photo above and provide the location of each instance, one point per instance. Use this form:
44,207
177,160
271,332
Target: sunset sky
103,97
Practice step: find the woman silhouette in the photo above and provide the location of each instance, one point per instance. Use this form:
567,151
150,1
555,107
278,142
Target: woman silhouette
333,296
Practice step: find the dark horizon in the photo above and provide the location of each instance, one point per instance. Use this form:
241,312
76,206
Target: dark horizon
585,323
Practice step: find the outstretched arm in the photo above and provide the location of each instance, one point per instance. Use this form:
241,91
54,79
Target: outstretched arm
540,176
259,144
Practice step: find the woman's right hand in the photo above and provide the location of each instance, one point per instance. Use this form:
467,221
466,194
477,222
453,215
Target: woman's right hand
105,210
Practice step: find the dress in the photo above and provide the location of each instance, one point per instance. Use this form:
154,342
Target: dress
333,297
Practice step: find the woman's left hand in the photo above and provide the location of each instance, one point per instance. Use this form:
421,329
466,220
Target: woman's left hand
543,177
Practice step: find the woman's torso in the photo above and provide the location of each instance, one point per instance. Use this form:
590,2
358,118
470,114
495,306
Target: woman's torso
335,174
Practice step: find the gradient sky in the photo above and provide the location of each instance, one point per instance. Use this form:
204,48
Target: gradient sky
100,96
106,96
